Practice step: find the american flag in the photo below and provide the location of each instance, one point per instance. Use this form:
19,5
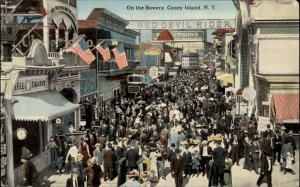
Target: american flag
104,51
80,48
120,56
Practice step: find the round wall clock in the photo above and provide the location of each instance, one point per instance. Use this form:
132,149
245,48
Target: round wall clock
21,133
59,121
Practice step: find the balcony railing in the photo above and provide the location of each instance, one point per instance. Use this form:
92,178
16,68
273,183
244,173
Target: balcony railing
53,55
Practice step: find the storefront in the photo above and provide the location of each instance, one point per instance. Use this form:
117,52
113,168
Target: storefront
37,111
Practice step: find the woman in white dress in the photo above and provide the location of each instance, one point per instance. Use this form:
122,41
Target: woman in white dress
153,165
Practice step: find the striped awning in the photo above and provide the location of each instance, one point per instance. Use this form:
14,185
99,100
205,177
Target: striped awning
285,108
42,105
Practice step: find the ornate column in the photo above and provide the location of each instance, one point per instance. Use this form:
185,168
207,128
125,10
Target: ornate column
56,37
66,38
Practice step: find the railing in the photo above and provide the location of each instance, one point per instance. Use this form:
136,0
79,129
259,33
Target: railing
53,55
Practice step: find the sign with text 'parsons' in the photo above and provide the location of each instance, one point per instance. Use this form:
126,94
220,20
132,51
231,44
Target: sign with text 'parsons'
181,24
31,84
183,35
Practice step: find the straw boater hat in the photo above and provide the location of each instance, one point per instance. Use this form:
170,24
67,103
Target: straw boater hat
93,160
97,145
145,176
283,128
133,173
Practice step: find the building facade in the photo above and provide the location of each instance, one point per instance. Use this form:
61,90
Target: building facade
190,61
106,27
222,40
267,57
38,73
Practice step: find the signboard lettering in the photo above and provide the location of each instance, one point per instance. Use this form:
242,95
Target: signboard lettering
182,24
183,35
153,72
31,84
133,89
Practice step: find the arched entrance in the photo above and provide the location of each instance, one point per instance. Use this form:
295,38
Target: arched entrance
69,94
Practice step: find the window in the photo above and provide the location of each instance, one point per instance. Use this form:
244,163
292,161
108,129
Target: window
101,100
117,92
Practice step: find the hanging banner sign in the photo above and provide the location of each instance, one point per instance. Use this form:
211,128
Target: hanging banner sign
181,24
262,123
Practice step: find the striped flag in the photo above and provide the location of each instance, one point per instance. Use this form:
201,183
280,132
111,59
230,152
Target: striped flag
104,51
120,56
81,49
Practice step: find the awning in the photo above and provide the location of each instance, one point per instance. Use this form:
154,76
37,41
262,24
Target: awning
285,108
226,78
43,105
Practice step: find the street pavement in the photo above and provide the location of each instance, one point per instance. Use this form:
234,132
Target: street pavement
240,178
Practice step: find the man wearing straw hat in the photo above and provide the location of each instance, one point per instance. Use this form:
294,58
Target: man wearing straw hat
98,154
283,135
205,153
97,172
77,171
132,179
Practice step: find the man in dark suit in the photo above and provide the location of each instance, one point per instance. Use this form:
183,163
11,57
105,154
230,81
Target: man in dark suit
109,158
30,174
171,153
177,168
132,157
266,170
219,155
121,131
228,121
255,154
277,142
235,154
187,161
205,153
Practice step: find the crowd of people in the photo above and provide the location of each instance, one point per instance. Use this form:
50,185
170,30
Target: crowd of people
185,121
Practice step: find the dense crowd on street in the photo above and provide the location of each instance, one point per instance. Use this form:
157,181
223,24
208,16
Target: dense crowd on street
186,121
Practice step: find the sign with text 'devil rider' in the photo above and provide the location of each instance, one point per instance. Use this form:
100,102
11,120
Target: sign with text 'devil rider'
181,24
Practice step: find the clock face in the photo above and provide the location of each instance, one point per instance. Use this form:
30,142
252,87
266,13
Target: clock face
59,121
21,133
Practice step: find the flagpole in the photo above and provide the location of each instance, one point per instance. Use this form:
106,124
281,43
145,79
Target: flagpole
97,44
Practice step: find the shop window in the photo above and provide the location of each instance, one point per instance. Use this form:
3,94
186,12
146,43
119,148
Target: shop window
116,92
265,109
6,52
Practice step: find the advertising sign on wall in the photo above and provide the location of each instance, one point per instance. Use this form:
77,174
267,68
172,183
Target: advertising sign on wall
31,84
183,35
181,24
